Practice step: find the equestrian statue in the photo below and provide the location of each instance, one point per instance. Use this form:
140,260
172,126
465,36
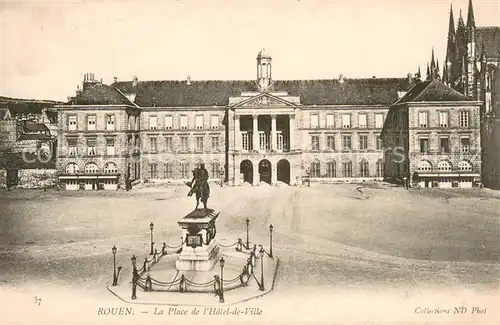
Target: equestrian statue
199,186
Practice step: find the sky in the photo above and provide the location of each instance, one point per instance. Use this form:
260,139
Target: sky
47,47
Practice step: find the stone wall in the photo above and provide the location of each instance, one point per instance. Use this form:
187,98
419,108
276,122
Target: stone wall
36,178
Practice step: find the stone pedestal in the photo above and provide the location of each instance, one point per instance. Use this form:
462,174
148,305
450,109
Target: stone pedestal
200,250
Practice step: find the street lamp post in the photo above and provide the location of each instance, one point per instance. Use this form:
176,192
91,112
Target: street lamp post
221,297
221,172
134,277
114,265
247,222
271,240
151,227
261,255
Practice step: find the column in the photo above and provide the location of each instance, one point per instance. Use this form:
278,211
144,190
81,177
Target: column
237,133
274,139
256,175
255,136
291,145
274,173
236,171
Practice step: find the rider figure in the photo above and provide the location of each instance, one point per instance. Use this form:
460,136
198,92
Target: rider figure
199,183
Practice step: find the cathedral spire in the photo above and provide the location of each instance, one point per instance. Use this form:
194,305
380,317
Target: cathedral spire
451,37
470,16
433,63
428,76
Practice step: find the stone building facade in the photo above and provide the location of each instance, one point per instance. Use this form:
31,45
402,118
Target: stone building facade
253,131
98,146
432,136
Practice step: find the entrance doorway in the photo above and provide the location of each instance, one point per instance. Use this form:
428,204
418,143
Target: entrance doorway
265,171
246,169
283,171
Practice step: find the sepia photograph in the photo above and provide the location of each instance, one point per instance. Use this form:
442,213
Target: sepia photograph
250,162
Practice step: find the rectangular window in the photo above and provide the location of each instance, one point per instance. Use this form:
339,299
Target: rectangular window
91,122
464,144
199,144
168,171
379,121
153,122
464,119
363,142
314,121
110,122
315,143
346,142
72,146
330,121
153,145
110,146
153,170
245,143
215,144
330,142
444,144
72,122
184,170
184,143
346,121
199,122
378,141
168,144
362,120
214,122
424,145
91,147
347,169
184,122
443,119
422,119
168,122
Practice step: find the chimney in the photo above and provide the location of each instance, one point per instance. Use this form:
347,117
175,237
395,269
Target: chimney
188,80
341,78
135,80
115,79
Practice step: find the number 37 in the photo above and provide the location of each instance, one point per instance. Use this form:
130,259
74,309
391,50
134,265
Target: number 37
37,300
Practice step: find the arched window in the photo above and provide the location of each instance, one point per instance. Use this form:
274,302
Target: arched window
185,169
215,169
424,166
315,168
72,168
91,168
347,168
168,172
331,168
464,166
364,168
153,170
380,168
110,168
444,166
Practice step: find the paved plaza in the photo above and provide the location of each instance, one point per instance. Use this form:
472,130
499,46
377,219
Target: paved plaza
340,242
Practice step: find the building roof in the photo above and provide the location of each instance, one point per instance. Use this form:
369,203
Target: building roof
35,136
35,127
18,106
491,38
100,94
171,93
4,113
432,91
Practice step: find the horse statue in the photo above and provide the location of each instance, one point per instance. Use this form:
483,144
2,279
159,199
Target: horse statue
199,186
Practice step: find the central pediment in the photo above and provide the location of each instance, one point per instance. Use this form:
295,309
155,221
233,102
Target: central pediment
256,100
